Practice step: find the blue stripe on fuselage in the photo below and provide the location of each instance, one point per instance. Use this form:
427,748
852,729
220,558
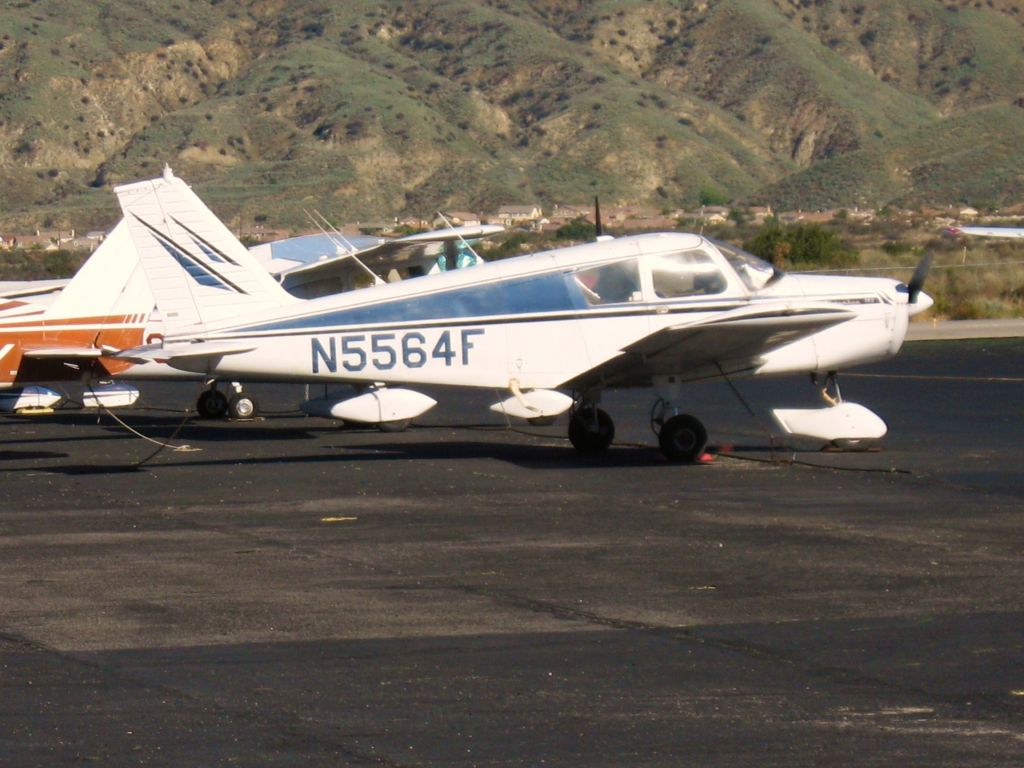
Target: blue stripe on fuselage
553,292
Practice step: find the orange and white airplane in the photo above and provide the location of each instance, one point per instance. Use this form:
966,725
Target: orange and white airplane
69,336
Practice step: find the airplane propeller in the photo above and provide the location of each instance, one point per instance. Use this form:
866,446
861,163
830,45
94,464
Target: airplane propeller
598,229
917,281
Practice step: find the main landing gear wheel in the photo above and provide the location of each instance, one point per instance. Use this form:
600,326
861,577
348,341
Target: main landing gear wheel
682,438
212,404
394,426
242,406
591,431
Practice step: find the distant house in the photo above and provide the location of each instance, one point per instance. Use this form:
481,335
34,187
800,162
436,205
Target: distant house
510,215
58,236
562,212
40,242
818,217
758,213
710,214
863,215
649,224
261,234
1013,211
82,243
967,212
463,218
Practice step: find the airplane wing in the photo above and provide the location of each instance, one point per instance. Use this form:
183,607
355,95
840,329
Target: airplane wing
25,288
1013,232
732,343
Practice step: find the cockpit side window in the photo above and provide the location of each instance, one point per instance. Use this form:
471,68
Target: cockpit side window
609,283
686,273
754,272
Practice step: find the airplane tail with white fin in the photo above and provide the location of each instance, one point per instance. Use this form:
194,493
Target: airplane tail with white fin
210,276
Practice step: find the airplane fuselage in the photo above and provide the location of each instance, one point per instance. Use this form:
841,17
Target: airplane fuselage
24,326
545,320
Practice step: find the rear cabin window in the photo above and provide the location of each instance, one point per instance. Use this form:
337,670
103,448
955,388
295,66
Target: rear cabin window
610,283
687,273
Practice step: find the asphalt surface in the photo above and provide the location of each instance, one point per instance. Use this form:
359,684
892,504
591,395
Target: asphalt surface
946,330
289,593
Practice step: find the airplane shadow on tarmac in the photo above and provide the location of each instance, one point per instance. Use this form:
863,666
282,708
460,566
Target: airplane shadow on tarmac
533,457
211,444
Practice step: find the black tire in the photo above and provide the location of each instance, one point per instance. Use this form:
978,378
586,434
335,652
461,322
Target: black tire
243,407
591,431
212,404
394,426
682,439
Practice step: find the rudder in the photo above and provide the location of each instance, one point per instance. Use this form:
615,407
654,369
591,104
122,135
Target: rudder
199,273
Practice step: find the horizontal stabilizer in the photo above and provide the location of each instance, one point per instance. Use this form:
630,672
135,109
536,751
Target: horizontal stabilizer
23,288
204,349
62,353
195,358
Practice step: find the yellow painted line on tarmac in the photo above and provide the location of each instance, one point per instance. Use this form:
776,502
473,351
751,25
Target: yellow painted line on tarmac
338,519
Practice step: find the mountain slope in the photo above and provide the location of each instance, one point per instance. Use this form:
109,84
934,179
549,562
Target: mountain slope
365,109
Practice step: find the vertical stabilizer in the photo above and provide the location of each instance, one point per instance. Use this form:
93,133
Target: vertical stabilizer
197,270
110,284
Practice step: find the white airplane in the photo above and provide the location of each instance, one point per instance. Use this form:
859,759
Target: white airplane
1011,232
659,309
64,330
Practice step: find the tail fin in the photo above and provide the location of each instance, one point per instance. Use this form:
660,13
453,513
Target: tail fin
110,284
197,270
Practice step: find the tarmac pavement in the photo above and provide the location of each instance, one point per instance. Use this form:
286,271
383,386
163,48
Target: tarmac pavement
288,592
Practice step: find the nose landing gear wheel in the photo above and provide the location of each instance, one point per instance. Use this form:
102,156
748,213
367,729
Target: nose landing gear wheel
591,431
682,439
212,404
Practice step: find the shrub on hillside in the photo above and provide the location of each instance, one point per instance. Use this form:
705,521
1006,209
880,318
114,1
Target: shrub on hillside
577,229
803,245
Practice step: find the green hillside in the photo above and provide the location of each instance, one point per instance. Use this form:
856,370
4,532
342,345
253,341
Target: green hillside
366,109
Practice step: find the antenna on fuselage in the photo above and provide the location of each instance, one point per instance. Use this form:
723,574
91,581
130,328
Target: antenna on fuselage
340,242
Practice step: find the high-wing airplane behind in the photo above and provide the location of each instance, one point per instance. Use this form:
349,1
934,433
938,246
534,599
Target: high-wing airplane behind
1010,232
309,266
660,309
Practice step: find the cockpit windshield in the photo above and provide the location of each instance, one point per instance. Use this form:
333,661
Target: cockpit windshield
754,272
